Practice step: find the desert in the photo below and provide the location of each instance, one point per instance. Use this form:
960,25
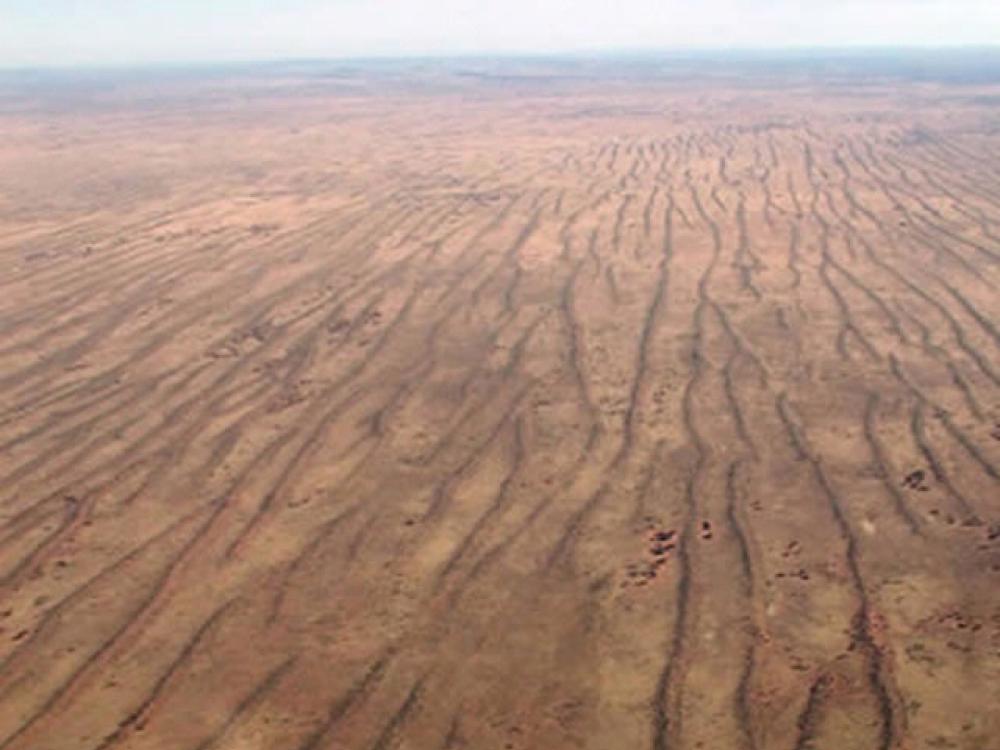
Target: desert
536,404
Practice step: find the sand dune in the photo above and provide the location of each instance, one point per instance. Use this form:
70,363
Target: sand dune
532,413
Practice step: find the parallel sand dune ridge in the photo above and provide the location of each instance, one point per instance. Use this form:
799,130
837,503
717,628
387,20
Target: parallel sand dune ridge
512,408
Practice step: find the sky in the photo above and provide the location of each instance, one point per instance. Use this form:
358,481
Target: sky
89,32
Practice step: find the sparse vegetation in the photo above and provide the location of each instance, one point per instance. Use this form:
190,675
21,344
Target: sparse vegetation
501,409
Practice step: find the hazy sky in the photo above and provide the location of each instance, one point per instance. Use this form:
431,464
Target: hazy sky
61,32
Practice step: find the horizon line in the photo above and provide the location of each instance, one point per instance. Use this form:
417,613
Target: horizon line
584,53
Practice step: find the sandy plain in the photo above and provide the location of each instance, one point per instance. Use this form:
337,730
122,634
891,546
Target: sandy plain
456,406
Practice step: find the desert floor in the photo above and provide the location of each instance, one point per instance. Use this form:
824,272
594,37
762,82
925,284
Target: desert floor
462,406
